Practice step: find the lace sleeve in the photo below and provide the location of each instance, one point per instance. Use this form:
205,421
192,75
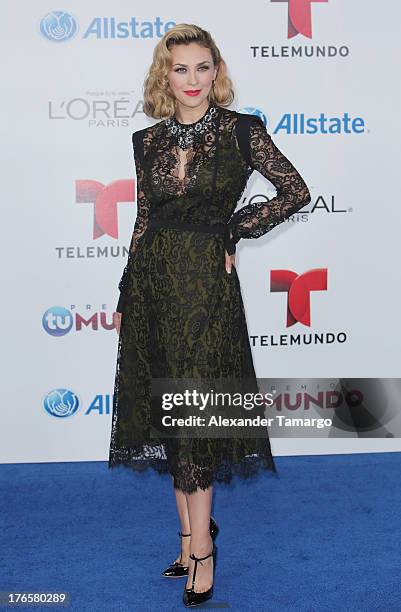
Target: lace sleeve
256,219
143,206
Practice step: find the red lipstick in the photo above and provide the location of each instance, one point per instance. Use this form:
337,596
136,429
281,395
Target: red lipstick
192,92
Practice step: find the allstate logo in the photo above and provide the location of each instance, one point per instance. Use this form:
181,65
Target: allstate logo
61,403
58,26
251,110
57,321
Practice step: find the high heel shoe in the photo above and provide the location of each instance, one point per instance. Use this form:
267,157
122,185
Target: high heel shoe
190,597
177,569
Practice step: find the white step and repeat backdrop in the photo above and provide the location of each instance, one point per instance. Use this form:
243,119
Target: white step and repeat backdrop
323,76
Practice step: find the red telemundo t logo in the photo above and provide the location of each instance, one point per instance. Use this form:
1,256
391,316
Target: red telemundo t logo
105,199
298,287
299,17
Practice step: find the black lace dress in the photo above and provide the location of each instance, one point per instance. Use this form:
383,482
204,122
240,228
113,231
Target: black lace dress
182,313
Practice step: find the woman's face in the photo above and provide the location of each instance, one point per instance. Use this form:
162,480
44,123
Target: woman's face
191,70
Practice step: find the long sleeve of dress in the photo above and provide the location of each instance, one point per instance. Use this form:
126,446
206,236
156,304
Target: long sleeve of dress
256,219
143,206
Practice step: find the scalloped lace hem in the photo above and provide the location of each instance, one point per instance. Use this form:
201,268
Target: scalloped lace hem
188,478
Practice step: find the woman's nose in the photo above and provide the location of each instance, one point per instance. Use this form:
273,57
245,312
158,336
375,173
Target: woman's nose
192,79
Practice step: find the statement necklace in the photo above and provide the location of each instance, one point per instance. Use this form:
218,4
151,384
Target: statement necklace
186,133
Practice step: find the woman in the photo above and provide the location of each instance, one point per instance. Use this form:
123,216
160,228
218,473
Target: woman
180,313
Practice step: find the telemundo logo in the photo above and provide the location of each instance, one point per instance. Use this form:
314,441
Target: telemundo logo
58,26
61,403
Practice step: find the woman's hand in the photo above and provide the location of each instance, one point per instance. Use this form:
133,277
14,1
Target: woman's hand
117,321
230,261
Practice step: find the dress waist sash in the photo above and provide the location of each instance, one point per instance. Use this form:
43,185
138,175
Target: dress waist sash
217,228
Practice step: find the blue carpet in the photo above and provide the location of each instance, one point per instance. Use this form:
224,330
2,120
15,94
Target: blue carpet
324,536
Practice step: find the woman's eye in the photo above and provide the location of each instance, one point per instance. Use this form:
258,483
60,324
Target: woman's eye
200,68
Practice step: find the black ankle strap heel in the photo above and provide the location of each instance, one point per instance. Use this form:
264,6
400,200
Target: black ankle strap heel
177,569
190,597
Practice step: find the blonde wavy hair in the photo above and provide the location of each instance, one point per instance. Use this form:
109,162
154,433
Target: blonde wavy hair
159,101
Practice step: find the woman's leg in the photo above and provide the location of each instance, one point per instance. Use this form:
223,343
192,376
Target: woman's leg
199,508
182,509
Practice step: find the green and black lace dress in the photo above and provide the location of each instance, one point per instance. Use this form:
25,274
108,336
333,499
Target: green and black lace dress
182,312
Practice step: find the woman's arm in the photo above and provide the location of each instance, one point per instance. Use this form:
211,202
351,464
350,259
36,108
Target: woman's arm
255,220
141,222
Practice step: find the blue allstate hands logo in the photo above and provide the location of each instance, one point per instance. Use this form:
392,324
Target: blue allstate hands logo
61,403
58,26
252,110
